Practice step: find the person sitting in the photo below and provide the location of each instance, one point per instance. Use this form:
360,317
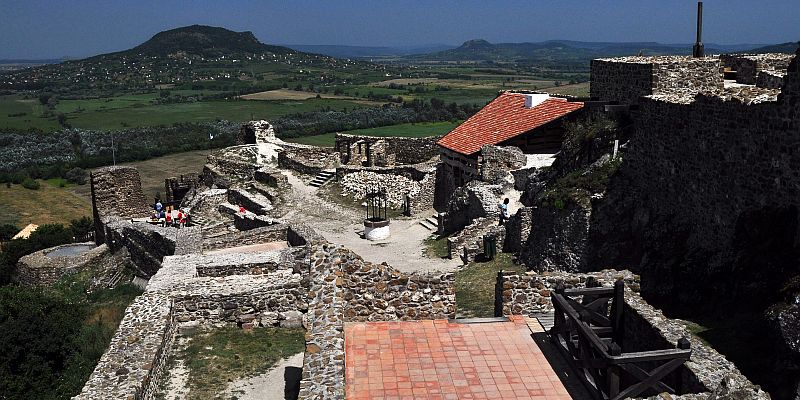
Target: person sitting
181,219
162,218
158,205
168,219
241,209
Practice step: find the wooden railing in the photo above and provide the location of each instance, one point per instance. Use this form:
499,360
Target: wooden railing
590,333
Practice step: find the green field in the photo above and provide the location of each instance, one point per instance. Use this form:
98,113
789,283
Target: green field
137,110
422,129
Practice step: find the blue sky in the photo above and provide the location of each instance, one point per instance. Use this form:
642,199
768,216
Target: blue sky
55,28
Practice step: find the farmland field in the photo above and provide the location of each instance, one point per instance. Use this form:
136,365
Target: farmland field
50,204
137,110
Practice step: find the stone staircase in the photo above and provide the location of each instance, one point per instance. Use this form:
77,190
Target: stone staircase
322,178
431,223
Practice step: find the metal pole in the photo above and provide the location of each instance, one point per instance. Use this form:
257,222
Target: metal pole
699,49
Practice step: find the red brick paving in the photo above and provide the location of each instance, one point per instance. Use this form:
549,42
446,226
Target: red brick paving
442,360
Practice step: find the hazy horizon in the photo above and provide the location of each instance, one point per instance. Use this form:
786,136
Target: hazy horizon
45,29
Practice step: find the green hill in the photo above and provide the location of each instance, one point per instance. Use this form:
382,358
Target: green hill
789,47
194,57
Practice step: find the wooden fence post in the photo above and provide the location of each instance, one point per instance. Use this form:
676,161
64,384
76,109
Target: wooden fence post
617,310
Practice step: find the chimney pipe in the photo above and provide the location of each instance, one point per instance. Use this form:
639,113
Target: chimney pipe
699,50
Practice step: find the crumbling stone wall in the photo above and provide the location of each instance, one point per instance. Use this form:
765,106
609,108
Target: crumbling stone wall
626,79
418,181
116,192
255,132
749,66
473,200
308,160
557,239
175,189
499,161
387,151
267,234
147,244
770,79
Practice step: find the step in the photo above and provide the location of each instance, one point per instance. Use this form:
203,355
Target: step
432,221
427,225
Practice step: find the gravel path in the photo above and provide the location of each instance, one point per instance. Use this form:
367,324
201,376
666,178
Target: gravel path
281,382
404,250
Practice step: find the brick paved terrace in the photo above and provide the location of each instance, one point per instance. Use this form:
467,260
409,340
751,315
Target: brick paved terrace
445,360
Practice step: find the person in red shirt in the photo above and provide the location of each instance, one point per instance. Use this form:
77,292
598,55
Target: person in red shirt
241,209
168,219
181,218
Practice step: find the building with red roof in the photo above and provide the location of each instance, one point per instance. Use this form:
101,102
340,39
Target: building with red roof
533,122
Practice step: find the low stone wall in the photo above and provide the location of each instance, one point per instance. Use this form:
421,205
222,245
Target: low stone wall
260,263
271,177
277,298
39,269
308,160
147,244
135,360
468,243
323,363
381,293
267,234
253,202
530,292
417,181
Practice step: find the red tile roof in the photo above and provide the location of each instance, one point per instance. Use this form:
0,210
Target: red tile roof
502,119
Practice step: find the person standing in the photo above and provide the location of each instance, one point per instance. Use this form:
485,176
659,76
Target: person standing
504,211
158,206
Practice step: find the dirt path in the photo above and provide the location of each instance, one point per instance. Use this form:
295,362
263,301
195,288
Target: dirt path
404,250
281,382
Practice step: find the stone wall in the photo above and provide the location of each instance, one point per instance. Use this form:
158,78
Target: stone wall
176,188
554,238
499,161
627,79
260,263
40,269
770,79
473,200
116,192
418,181
645,328
308,160
683,163
749,66
468,243
529,293
388,151
267,234
254,132
147,244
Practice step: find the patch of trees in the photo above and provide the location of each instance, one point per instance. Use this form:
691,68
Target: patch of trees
48,155
317,123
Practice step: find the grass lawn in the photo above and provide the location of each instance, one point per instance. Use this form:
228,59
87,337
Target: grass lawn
436,247
48,205
220,356
421,129
475,285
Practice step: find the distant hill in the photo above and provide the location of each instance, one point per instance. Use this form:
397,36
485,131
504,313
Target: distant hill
790,47
368,51
562,52
202,57
207,41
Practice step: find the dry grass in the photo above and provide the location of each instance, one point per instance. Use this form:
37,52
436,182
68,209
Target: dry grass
48,205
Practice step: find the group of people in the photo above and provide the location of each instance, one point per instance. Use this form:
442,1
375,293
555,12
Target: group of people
167,216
